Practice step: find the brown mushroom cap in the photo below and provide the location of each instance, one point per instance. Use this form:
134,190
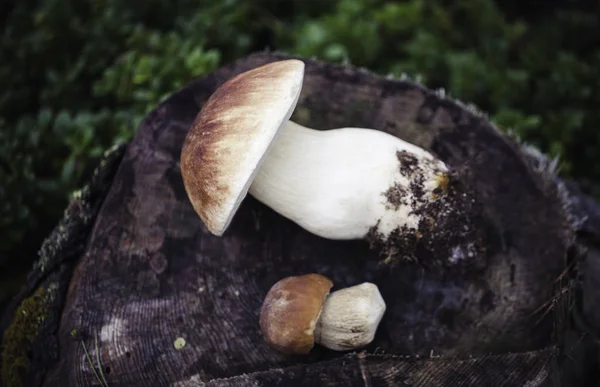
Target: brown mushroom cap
290,311
224,148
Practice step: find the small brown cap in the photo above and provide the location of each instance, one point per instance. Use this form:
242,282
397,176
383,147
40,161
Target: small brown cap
225,146
289,314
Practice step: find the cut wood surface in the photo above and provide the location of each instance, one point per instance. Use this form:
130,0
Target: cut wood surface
150,275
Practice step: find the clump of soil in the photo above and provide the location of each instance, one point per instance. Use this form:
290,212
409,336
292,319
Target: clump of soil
397,195
408,163
450,230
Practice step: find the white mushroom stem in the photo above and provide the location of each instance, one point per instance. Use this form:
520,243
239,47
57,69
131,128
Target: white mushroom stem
333,183
350,317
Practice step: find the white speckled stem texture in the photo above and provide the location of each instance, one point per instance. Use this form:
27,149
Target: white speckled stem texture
333,183
350,317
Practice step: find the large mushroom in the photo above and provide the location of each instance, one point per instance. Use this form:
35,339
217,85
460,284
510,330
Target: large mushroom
346,183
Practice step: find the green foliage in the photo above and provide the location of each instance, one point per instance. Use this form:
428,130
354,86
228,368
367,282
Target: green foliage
83,73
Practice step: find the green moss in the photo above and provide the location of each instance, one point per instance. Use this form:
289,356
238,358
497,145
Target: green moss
21,334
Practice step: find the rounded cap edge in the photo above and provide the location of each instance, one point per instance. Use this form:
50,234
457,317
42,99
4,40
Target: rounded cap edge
290,311
225,146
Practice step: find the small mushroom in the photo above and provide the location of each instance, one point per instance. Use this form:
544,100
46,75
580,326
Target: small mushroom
299,311
346,183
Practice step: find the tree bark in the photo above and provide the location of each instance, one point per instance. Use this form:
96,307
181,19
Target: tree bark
118,284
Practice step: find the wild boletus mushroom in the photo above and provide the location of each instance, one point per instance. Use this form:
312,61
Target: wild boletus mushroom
299,311
346,183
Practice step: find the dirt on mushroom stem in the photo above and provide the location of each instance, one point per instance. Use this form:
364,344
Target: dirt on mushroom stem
450,232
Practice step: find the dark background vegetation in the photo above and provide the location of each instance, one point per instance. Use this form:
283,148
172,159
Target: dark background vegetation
77,76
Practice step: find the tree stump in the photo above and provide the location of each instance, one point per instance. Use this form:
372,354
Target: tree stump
132,290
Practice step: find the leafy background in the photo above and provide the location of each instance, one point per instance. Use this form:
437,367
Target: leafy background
77,76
